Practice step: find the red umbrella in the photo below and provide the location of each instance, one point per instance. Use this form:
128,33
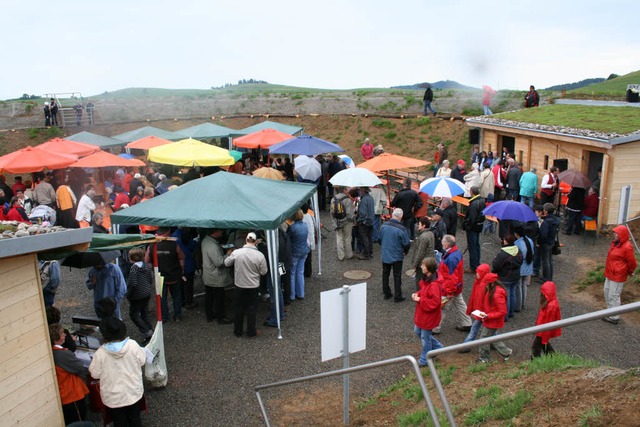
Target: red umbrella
261,139
103,159
64,146
34,159
148,142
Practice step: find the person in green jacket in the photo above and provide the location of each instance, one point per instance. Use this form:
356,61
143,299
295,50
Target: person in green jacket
529,187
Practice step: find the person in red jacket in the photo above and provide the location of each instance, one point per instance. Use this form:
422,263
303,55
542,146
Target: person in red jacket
476,302
16,212
621,263
428,308
590,209
493,314
549,312
367,150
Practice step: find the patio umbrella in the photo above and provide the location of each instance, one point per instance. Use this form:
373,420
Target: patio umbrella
347,160
262,139
442,187
510,210
355,177
103,159
269,173
307,167
90,259
65,146
34,159
191,152
237,155
387,161
574,179
147,142
126,156
305,144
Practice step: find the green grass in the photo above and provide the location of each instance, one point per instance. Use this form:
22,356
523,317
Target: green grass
622,120
557,362
499,407
592,416
383,123
617,86
595,276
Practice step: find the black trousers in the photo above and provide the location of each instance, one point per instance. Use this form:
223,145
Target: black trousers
366,237
138,312
214,303
244,304
187,289
397,279
74,411
308,270
126,416
538,348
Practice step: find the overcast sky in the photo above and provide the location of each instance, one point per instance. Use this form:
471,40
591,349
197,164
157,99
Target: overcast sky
92,47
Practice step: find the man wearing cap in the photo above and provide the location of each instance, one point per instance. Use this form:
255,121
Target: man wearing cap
394,240
249,264
459,171
409,201
134,184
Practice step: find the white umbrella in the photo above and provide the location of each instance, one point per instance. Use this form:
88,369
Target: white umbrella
347,160
442,187
356,177
307,167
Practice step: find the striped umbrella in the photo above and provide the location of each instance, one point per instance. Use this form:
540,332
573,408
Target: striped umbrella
442,187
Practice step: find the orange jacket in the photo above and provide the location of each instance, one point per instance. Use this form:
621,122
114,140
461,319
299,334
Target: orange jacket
621,261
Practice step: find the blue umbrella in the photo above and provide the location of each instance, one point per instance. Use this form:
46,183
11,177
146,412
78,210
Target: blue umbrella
510,210
305,144
126,156
442,187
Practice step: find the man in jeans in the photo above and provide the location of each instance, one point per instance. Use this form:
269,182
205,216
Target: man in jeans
365,221
394,239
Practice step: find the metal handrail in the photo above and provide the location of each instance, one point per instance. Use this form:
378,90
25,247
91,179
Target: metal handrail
378,364
516,334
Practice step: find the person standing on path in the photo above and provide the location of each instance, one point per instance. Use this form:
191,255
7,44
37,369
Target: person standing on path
394,239
529,187
451,273
171,266
367,150
106,281
473,224
424,248
140,288
215,276
427,99
621,263
54,112
379,205
549,312
549,186
409,201
365,220
249,264
343,222
494,312
547,237
47,115
428,308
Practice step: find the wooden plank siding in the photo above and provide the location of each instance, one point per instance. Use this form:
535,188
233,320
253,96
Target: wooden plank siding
28,384
624,163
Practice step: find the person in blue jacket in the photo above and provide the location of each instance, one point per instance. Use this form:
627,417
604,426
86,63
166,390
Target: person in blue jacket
394,239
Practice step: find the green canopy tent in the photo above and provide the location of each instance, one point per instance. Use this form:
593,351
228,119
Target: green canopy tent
227,200
136,134
103,142
206,131
290,129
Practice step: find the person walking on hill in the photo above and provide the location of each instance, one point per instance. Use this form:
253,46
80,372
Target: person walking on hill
476,300
621,263
427,99
54,112
531,98
493,314
486,99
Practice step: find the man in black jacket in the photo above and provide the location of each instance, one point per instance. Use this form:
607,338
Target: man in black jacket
427,99
409,201
449,215
473,226
547,238
459,171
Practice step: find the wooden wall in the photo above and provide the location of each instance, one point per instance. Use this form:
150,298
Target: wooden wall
624,161
28,385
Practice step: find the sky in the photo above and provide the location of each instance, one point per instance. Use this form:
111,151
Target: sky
93,47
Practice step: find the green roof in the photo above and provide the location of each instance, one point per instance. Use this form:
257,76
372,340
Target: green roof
137,134
206,130
94,139
290,129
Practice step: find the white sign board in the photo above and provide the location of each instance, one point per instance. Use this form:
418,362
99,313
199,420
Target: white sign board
332,320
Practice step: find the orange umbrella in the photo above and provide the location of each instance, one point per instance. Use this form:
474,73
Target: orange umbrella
387,161
147,142
103,159
34,159
261,139
269,173
65,146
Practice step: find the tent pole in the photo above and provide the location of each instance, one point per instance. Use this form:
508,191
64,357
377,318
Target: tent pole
155,276
315,207
272,247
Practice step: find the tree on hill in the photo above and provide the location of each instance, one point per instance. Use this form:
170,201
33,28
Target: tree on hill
612,76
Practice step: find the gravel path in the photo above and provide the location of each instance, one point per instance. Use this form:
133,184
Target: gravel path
212,373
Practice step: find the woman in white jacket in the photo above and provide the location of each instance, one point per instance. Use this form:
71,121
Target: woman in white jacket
444,169
471,179
117,364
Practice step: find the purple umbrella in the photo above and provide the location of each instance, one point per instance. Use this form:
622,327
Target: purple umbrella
510,210
305,144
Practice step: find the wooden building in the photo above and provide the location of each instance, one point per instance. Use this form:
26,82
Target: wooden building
28,386
543,146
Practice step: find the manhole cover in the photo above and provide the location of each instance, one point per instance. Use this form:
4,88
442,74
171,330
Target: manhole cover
357,274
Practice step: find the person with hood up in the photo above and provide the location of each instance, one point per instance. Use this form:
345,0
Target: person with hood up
621,263
476,300
428,311
117,364
507,265
549,312
493,313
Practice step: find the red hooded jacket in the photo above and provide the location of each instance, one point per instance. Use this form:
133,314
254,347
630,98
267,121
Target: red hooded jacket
451,272
497,309
621,261
428,312
476,299
549,313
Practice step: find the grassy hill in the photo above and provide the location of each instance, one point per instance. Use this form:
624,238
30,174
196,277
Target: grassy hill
613,87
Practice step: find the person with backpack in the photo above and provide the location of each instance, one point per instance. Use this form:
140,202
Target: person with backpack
342,216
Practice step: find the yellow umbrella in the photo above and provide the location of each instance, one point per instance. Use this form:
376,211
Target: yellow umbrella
190,152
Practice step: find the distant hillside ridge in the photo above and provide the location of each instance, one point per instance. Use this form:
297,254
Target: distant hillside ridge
615,88
442,84
576,85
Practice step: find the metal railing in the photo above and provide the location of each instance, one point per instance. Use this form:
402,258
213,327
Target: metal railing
596,315
372,365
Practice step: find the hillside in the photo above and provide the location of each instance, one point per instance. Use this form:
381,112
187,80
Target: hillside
576,85
614,88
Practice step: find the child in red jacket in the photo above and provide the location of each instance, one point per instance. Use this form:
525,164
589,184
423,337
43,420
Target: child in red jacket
493,313
476,300
549,312
428,308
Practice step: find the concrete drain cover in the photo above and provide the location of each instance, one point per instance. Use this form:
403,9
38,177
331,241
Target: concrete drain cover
357,274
